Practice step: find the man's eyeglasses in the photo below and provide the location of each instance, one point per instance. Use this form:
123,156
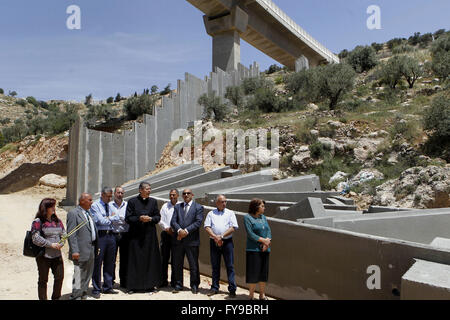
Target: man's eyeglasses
186,193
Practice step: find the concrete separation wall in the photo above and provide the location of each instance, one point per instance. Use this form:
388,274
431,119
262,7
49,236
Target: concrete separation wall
426,281
328,263
98,159
413,226
274,196
201,189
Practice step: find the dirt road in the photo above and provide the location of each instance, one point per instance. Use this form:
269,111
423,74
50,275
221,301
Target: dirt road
18,274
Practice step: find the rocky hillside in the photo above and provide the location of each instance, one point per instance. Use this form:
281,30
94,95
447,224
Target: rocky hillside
373,142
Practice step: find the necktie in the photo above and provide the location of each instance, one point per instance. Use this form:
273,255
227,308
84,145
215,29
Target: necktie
107,209
186,209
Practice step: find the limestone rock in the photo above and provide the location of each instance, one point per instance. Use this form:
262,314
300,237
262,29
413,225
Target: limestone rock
53,180
303,160
312,107
365,146
417,187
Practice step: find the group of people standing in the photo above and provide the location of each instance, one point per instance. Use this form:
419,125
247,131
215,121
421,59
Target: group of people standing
96,231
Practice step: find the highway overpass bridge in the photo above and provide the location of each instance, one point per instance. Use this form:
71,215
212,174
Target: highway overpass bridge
263,25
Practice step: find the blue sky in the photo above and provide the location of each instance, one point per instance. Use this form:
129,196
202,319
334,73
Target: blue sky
126,46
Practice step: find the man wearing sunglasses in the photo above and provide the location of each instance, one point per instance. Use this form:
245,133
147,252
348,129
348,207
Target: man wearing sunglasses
186,221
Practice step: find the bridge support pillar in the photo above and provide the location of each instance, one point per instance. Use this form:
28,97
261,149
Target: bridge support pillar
225,31
226,51
301,63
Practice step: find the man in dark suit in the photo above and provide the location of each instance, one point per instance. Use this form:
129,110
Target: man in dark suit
186,221
82,246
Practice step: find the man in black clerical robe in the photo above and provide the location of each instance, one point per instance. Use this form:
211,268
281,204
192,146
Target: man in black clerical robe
144,260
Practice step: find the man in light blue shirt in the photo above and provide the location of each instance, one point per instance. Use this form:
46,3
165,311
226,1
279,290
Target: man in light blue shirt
220,225
118,207
105,255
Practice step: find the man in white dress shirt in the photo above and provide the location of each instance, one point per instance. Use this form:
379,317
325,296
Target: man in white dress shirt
166,237
120,231
220,224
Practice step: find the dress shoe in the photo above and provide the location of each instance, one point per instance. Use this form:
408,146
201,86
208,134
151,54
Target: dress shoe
212,292
177,289
96,295
164,284
232,294
194,290
130,292
110,291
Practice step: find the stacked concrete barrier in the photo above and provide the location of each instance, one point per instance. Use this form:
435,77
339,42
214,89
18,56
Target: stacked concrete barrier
98,158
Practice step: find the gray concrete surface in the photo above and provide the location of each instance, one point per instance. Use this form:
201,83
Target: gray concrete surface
307,208
274,196
201,189
328,263
426,280
420,226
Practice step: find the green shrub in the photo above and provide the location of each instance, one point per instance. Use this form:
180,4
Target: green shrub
395,42
250,85
12,93
439,33
213,106
343,54
139,105
440,52
390,73
110,100
335,80
441,65
154,89
33,101
88,100
236,96
362,58
279,80
5,121
2,91
267,100
317,150
118,98
377,46
410,69
403,48
437,121
100,112
21,102
166,90
273,68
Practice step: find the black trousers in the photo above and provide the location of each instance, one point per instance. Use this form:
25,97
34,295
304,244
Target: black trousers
122,241
44,265
191,252
166,253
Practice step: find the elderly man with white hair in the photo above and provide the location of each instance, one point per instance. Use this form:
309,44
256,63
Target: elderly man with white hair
220,224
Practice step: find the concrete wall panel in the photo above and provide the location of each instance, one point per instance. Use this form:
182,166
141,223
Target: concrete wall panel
106,172
141,149
130,157
93,161
118,160
327,264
